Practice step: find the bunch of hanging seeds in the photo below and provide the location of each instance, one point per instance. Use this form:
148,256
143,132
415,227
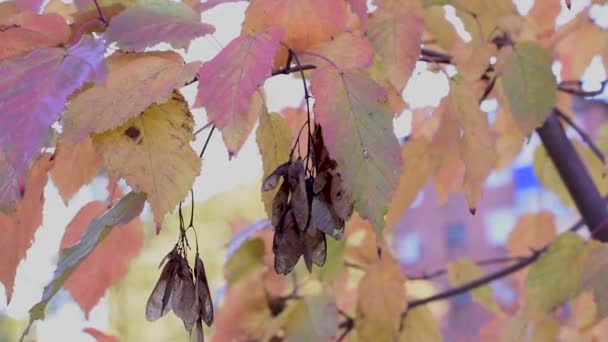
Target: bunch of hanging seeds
310,203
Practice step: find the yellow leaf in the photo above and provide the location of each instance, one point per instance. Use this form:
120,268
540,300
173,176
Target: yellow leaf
463,271
510,138
556,275
152,153
274,141
472,58
313,319
420,326
483,19
439,28
532,232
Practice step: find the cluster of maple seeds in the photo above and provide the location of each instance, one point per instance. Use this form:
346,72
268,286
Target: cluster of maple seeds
310,203
184,292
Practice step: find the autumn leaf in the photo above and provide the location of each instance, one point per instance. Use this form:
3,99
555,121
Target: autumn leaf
532,232
348,50
245,260
594,277
543,14
17,231
135,81
27,31
383,301
315,318
359,8
274,141
228,82
305,22
357,130
107,263
30,100
463,271
420,326
477,148
440,29
74,166
529,84
152,153
483,19
556,276
155,21
100,336
72,258
396,35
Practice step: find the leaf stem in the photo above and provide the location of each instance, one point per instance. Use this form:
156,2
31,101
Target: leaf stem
207,141
307,98
102,17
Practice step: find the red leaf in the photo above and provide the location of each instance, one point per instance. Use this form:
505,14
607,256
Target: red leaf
33,91
17,231
228,82
27,31
99,336
107,263
152,22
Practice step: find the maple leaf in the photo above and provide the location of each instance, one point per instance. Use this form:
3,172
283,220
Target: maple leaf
463,271
313,318
228,82
33,90
556,276
72,258
75,166
17,231
305,22
482,18
100,336
349,50
532,232
396,34
383,301
357,130
135,81
152,153
30,5
359,7
155,21
274,141
441,30
27,31
420,326
107,263
529,84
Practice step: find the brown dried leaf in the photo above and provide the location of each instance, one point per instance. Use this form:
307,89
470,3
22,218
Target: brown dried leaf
287,245
272,180
325,219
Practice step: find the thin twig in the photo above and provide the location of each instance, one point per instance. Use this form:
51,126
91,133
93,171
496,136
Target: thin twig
102,17
567,87
207,142
292,69
586,138
207,125
307,99
483,262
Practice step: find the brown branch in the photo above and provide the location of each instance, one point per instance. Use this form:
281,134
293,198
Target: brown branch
575,176
586,138
575,88
483,262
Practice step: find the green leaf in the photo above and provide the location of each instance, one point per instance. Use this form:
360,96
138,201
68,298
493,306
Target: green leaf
556,275
420,326
357,129
529,84
123,212
463,271
312,319
245,260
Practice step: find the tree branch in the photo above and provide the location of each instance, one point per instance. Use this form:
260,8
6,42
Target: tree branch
575,88
586,138
575,176
493,261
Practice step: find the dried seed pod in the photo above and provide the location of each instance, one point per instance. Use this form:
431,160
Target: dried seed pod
279,204
299,196
320,182
287,245
315,248
325,219
340,199
272,180
159,302
183,296
202,294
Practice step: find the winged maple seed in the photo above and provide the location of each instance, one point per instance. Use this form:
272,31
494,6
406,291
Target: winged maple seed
185,293
311,202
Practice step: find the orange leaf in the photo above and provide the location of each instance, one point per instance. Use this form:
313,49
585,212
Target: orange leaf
17,231
107,263
532,231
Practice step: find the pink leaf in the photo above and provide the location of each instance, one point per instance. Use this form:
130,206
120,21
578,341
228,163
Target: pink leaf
359,7
27,31
33,92
107,263
152,22
99,336
228,82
